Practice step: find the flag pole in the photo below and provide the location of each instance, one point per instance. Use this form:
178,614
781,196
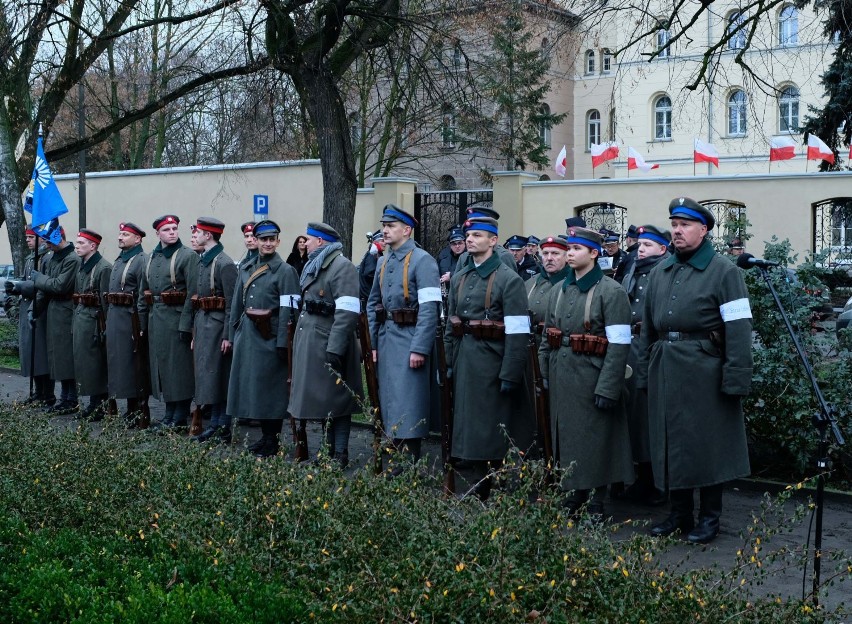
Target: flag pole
34,305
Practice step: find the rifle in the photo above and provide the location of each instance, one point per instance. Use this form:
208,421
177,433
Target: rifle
375,412
300,435
542,408
140,365
195,426
446,411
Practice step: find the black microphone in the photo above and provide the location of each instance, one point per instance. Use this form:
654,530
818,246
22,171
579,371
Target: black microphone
748,261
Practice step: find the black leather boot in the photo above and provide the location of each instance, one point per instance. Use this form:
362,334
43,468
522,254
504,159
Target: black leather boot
680,518
205,435
708,515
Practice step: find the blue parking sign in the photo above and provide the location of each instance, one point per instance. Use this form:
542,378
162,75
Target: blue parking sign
261,205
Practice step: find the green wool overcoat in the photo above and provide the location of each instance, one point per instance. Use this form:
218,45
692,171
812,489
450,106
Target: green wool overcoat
486,421
695,385
172,375
55,287
90,362
596,441
25,331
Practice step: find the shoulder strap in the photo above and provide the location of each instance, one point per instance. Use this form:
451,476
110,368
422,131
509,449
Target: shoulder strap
587,314
147,267
212,278
488,291
127,268
172,266
405,264
257,273
382,274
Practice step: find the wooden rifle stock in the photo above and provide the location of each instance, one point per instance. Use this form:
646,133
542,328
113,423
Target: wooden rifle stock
300,436
372,389
542,409
446,412
195,426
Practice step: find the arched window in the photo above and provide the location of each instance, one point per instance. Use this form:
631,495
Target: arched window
788,26
545,48
663,118
662,43
448,127
606,61
447,183
593,128
737,113
544,178
788,110
736,31
590,61
544,125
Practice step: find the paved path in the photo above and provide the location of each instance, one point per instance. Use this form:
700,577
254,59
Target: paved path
742,501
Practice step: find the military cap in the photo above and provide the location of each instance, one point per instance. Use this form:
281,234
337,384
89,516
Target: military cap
377,236
609,236
632,231
266,227
247,227
650,232
533,240
30,231
456,234
91,235
132,228
479,212
392,213
323,231
686,208
516,242
165,220
485,224
575,222
736,243
557,241
586,237
209,224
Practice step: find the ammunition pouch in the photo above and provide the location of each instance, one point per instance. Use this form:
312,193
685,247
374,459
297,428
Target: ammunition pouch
554,337
381,314
404,316
262,320
167,297
208,304
588,344
319,307
456,327
120,299
538,328
87,300
486,329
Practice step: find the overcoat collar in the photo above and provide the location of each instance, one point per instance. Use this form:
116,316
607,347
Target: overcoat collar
555,278
486,268
700,259
89,264
208,256
403,249
61,253
586,282
127,254
169,251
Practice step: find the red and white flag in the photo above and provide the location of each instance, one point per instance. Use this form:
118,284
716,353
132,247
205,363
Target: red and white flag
635,161
561,164
782,148
603,152
705,152
818,150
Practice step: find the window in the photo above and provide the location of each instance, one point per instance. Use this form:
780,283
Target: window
788,26
736,32
663,118
448,128
447,183
458,58
544,125
612,124
590,61
593,128
606,61
788,110
663,38
545,48
355,130
737,113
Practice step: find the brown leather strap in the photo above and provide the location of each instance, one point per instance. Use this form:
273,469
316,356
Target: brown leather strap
405,264
461,285
488,292
587,315
257,273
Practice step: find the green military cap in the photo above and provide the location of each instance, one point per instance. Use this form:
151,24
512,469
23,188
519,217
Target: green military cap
686,208
557,240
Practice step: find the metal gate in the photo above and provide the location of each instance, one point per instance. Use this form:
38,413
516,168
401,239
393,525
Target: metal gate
438,212
600,215
833,230
731,221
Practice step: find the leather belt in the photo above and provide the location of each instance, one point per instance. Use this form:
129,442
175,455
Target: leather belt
674,336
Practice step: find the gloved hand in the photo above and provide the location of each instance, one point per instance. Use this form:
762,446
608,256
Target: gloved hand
282,353
449,372
335,361
30,318
185,336
546,384
12,287
508,387
8,302
34,274
603,403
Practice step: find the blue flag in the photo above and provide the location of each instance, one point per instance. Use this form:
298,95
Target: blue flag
44,200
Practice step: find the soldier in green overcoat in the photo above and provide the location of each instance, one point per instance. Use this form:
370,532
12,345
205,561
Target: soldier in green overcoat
501,252
583,355
486,342
250,241
264,298
171,275
211,345
555,264
55,290
325,338
695,343
90,309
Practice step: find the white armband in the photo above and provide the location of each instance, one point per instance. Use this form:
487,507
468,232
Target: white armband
618,334
289,301
350,304
517,324
735,310
430,293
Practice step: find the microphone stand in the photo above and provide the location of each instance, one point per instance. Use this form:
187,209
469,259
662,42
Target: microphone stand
823,420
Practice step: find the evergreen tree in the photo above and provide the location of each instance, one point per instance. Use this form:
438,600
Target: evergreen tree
512,79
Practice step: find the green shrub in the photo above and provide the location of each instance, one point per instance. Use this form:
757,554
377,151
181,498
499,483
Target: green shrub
121,522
